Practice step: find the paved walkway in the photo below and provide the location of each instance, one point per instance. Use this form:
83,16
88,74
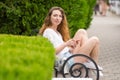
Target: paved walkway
107,28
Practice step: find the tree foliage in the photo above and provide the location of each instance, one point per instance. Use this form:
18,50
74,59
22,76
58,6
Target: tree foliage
25,17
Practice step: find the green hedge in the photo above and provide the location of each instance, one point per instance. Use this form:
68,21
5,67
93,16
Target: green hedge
25,58
91,5
25,17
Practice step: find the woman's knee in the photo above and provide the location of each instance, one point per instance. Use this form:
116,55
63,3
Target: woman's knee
95,39
82,31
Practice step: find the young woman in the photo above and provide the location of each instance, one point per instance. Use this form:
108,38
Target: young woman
55,28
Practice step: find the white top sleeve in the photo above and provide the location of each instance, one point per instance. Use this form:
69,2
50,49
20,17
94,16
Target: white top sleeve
55,39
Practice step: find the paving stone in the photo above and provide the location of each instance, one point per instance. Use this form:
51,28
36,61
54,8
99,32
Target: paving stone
108,30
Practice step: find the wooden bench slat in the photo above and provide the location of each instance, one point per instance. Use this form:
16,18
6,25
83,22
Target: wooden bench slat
72,79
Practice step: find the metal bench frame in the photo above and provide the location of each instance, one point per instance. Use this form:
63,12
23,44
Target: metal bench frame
83,66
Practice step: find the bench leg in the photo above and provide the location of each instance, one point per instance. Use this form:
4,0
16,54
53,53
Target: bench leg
56,73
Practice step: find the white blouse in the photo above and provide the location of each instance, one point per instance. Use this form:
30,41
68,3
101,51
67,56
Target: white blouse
56,39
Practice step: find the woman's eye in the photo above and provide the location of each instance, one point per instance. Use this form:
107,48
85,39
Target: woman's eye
60,16
55,15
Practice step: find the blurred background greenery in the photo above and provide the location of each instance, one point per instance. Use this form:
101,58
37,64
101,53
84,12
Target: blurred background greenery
25,17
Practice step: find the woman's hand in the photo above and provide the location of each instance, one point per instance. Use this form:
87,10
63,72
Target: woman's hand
78,46
71,43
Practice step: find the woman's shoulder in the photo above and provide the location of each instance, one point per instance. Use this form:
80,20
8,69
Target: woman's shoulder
48,31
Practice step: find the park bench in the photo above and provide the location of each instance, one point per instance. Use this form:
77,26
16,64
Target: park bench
81,73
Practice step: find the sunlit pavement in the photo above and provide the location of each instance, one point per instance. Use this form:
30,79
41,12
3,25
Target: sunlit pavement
107,28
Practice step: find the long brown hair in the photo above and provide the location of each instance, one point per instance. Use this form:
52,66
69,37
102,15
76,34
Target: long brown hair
62,27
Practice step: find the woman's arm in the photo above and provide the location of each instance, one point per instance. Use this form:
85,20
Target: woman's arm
70,43
60,48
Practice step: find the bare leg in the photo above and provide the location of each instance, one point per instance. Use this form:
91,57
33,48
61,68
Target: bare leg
82,36
90,48
95,52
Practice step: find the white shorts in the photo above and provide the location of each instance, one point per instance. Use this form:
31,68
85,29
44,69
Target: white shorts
70,61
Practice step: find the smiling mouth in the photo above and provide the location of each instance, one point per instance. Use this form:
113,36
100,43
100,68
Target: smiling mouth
57,21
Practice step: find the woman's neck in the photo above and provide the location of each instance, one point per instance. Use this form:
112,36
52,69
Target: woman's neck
54,28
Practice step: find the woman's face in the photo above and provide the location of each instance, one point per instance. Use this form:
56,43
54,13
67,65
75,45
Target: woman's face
56,17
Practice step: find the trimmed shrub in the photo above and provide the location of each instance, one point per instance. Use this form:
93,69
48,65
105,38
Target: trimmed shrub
26,58
91,4
25,17
77,15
